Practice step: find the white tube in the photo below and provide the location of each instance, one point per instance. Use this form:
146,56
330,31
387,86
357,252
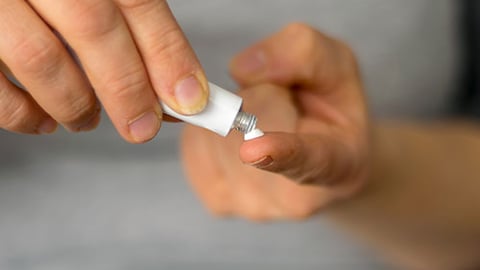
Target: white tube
219,114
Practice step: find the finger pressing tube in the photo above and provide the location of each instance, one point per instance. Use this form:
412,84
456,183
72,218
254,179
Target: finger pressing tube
222,113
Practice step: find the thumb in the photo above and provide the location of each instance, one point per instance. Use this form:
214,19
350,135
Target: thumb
304,158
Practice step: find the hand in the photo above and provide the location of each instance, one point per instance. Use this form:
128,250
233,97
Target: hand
305,89
131,52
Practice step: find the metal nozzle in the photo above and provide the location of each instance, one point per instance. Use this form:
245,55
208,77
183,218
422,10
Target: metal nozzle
245,122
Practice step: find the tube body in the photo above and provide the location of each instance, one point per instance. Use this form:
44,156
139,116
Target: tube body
219,114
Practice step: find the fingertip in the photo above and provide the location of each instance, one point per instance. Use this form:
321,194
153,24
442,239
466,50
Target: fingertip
93,122
191,94
254,150
145,127
87,120
48,126
265,150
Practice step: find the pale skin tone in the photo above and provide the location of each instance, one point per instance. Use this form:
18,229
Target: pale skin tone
132,54
410,191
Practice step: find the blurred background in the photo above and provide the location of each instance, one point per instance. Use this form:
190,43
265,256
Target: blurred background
91,201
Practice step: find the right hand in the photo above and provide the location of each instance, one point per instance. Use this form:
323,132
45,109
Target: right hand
132,52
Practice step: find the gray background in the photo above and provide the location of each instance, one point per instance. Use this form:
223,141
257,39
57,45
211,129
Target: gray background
91,201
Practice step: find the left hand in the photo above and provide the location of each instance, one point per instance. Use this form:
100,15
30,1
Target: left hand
305,89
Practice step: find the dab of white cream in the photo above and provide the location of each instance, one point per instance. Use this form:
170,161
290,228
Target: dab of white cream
253,134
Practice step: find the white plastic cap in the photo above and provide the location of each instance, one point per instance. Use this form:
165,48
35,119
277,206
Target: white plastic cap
219,114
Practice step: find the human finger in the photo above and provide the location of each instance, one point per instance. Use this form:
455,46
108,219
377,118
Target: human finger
298,55
174,70
217,180
42,64
321,73
304,158
99,35
20,113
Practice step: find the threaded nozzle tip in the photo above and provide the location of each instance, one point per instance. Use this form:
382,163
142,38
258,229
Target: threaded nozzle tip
245,122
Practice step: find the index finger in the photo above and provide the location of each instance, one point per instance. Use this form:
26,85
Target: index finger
298,55
96,30
175,73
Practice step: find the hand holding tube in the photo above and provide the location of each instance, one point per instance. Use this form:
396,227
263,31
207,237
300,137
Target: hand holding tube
305,90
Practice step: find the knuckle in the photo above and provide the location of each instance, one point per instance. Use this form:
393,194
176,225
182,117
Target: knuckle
310,43
126,85
303,35
98,18
16,115
308,47
304,45
38,56
173,43
77,110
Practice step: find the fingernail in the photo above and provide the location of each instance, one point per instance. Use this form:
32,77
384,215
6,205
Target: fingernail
145,127
48,126
263,162
191,95
252,61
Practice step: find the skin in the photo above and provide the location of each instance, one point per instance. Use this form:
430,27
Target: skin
393,185
410,191
132,53
315,124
